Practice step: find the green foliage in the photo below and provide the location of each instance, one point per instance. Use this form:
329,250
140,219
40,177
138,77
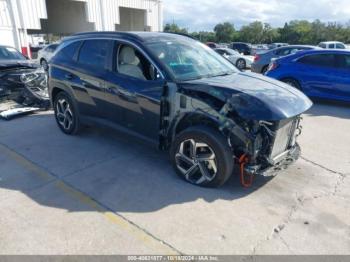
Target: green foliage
174,28
293,32
224,32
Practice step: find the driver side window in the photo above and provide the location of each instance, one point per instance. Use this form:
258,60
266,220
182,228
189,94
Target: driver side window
133,63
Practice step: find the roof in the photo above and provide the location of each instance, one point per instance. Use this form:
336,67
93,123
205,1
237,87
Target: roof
316,51
331,42
136,36
326,51
297,46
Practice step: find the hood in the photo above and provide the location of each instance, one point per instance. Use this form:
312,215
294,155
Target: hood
13,64
254,96
10,75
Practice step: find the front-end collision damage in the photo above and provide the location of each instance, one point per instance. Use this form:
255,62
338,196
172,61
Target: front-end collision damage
35,90
24,91
252,140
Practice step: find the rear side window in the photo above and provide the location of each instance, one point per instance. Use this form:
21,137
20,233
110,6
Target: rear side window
325,60
67,53
322,45
340,46
95,53
332,46
283,52
343,61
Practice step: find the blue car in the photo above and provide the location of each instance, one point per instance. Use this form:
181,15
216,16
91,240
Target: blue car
318,73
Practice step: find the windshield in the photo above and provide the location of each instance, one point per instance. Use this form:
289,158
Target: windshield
9,53
187,59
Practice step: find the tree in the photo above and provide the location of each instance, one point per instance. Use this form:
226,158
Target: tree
204,36
224,32
174,28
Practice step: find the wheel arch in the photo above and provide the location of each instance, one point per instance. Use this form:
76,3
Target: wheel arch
56,89
190,119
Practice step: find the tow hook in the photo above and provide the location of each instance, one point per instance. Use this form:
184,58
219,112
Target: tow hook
246,178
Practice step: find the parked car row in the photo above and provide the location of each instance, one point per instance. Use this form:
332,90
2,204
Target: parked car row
317,73
262,60
239,60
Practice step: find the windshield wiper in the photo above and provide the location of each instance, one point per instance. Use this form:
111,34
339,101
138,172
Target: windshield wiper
222,74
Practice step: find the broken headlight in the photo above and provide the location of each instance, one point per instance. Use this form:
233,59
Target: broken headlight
36,83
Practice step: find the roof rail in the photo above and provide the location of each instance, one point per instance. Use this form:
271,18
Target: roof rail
182,34
108,33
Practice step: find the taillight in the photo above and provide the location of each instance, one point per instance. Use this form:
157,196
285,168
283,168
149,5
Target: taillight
256,58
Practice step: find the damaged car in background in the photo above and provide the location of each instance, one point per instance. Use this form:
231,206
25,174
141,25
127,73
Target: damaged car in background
213,119
23,86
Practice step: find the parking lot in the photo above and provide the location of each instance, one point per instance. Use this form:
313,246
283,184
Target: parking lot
107,193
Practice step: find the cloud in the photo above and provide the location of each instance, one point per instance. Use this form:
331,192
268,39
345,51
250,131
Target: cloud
198,15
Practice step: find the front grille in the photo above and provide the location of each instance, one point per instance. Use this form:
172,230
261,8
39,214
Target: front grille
284,131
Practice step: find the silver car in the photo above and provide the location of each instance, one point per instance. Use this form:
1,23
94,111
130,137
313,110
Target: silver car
262,60
45,54
239,60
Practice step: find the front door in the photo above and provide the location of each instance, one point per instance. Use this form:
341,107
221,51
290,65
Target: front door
134,90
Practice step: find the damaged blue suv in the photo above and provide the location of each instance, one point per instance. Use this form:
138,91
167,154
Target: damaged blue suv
176,91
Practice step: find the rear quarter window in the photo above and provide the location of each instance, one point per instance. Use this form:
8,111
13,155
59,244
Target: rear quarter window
94,53
324,60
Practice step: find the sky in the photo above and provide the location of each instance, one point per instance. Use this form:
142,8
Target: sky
196,15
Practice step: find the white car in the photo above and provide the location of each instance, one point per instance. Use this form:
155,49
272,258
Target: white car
45,54
239,60
332,45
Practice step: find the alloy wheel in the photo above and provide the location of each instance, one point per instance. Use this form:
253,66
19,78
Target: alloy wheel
64,114
196,161
241,64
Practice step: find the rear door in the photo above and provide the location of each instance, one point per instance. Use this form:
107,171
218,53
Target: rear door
316,73
92,64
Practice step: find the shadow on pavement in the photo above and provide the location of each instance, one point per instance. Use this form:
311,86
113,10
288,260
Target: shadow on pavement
121,172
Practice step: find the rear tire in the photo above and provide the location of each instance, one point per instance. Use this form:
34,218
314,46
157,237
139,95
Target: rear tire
264,70
202,156
241,64
66,114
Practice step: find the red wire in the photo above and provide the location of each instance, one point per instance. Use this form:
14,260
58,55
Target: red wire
243,160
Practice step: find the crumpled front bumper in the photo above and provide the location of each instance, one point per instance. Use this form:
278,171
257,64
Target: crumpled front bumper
289,158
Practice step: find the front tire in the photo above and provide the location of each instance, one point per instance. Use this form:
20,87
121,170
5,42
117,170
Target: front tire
202,156
66,114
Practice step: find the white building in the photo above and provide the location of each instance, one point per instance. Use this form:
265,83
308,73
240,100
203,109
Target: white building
20,18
